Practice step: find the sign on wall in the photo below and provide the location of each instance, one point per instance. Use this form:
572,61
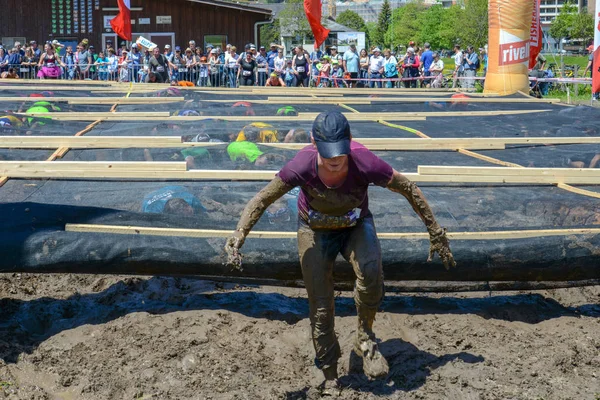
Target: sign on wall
144,21
163,19
345,39
106,21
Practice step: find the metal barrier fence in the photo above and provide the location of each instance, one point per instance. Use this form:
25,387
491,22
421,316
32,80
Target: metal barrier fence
205,75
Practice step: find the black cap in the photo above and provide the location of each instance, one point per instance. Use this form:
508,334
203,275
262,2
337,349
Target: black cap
331,132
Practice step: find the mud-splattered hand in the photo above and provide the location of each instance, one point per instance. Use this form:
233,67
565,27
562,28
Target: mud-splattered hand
440,244
232,248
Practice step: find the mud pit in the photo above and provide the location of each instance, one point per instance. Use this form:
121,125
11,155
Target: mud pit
114,337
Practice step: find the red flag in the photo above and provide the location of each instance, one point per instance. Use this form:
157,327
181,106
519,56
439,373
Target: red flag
121,24
313,14
535,34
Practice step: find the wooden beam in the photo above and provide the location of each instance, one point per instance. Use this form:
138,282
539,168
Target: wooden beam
82,167
48,82
349,100
94,100
255,118
508,171
214,233
119,142
99,115
151,171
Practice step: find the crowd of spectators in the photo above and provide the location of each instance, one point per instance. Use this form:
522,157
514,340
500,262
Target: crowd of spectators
230,67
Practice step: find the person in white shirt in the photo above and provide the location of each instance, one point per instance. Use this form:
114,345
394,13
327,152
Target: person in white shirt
376,67
436,69
458,65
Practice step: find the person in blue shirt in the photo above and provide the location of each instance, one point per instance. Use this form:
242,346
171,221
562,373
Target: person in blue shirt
172,200
272,55
470,61
134,60
262,64
351,64
426,60
315,58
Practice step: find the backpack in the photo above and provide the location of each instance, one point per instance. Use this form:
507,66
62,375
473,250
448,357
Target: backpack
478,64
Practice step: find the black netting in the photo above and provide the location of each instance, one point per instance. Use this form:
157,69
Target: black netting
36,211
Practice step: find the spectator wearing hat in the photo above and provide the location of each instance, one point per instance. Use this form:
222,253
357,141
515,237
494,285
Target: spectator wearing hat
289,74
168,53
20,48
134,60
376,68
178,62
590,67
333,52
36,50
262,66
109,45
215,72
324,71
272,55
411,68
352,63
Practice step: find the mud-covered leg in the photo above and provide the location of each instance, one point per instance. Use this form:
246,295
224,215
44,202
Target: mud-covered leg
363,252
317,255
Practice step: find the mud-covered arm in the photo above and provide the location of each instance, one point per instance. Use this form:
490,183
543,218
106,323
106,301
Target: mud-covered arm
439,242
252,213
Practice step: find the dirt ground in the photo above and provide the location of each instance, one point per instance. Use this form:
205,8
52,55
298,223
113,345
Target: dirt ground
116,337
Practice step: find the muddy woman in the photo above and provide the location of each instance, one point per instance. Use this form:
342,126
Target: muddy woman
334,174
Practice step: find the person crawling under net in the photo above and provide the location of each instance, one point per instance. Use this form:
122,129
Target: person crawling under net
334,174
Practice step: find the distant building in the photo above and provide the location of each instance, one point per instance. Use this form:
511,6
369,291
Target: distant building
549,9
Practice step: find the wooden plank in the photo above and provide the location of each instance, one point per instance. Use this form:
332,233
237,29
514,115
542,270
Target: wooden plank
82,167
507,171
42,82
214,233
150,172
511,100
253,118
99,114
119,142
95,100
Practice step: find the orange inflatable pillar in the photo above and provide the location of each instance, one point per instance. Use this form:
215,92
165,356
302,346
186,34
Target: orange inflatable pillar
508,46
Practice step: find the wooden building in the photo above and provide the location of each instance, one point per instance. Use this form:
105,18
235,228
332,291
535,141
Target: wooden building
173,22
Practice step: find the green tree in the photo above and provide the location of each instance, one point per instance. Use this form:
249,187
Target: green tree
475,24
352,20
405,24
269,33
383,24
562,25
583,26
449,31
293,19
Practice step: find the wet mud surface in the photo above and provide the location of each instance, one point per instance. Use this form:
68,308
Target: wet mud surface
116,337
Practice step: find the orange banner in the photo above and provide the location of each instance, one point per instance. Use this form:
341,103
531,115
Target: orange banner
509,46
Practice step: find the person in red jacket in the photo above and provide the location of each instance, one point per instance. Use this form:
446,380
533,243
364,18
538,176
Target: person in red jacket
410,65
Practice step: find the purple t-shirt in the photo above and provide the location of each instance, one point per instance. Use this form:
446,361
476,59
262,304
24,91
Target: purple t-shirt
323,207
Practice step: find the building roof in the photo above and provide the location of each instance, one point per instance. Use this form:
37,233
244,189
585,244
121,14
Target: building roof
236,5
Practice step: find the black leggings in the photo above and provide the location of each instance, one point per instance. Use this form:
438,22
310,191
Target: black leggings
302,78
247,81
